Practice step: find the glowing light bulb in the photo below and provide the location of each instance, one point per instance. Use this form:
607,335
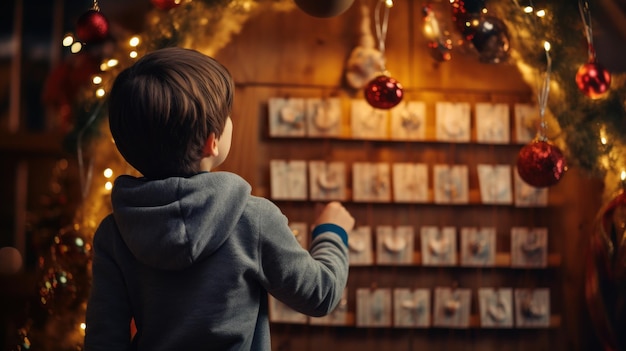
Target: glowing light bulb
134,41
76,47
389,3
541,13
528,9
108,185
100,92
96,80
68,40
108,173
547,46
133,54
112,62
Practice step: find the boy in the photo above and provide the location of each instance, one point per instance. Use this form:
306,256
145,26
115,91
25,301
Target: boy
189,254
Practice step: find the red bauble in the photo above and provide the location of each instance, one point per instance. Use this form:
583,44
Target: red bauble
383,92
324,8
593,79
92,27
541,164
165,4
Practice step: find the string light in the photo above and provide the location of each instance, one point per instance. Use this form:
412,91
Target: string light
76,47
96,80
133,42
133,54
68,40
100,92
108,173
541,13
108,186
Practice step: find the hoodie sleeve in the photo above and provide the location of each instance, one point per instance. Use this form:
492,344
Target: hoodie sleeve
108,309
311,282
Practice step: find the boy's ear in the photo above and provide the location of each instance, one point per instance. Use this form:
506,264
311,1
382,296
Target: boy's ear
210,148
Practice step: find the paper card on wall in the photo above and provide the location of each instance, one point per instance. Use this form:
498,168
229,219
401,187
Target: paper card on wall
360,246
408,121
323,116
438,246
495,184
368,122
496,307
288,179
411,308
394,246
410,182
492,123
527,195
478,246
451,184
373,307
371,182
532,308
287,117
301,232
338,316
452,308
453,121
526,122
281,313
529,247
327,180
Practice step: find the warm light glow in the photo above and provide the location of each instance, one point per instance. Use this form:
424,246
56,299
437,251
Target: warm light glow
484,10
541,13
134,41
68,40
103,66
96,80
108,173
623,175
389,3
133,54
528,9
108,185
547,46
76,47
100,92
83,326
112,62
603,138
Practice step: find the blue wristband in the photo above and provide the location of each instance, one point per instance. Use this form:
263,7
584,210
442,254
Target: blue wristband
329,227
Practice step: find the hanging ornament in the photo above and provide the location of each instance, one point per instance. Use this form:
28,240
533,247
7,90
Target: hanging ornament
92,27
592,78
383,92
324,8
490,37
439,45
72,247
605,273
165,4
466,14
541,163
365,61
10,260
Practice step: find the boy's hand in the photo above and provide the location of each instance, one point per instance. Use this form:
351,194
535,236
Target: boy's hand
335,213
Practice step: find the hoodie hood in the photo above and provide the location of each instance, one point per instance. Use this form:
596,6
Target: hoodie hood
172,223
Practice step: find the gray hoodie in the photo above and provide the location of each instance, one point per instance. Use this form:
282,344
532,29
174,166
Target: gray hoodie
192,260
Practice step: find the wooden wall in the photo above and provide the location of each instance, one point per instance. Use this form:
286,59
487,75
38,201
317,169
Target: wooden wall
289,54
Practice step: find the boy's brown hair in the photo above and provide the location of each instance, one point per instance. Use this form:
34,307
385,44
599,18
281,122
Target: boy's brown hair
163,108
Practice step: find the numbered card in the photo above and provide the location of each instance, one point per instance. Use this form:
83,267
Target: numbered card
451,184
496,307
453,121
360,246
408,121
526,122
287,117
495,184
527,195
492,123
452,308
373,307
410,182
529,247
394,246
327,180
411,308
532,308
288,179
323,116
438,246
368,122
478,246
371,182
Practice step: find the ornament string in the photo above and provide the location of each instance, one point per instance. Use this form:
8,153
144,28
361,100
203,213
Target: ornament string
85,176
95,6
585,15
544,91
381,27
